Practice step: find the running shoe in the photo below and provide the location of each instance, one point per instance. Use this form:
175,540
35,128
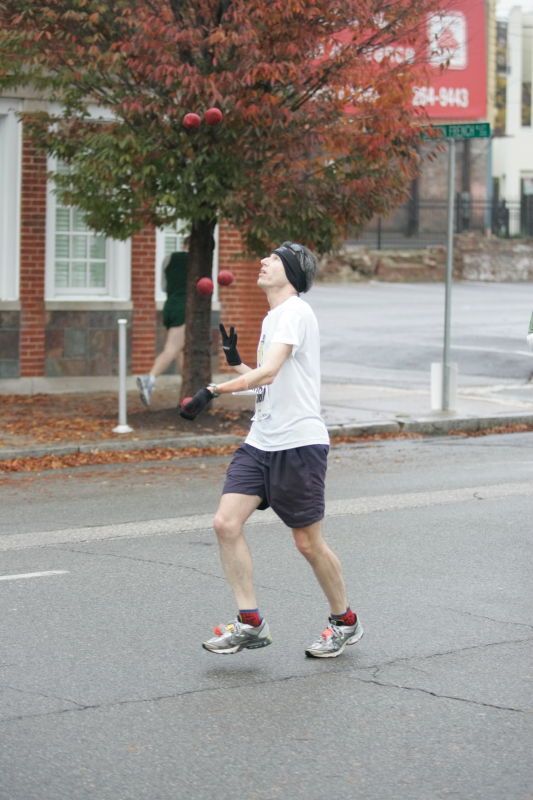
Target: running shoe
334,639
236,636
145,384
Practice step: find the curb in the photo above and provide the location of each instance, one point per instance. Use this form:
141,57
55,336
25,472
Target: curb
436,427
106,445
428,426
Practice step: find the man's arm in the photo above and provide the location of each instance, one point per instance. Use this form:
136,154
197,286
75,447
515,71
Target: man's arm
261,376
251,379
242,369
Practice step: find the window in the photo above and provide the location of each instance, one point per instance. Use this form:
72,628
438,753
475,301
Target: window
526,104
502,71
169,240
80,257
526,78
82,264
10,173
173,237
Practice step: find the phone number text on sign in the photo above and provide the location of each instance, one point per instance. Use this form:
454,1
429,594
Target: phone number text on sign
445,97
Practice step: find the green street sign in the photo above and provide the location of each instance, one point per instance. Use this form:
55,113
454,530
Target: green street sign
469,130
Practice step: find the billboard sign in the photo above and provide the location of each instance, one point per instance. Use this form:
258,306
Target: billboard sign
456,87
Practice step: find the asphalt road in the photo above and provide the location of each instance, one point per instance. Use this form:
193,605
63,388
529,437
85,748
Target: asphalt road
106,693
391,333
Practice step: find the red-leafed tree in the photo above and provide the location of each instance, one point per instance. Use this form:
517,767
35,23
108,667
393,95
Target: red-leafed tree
286,162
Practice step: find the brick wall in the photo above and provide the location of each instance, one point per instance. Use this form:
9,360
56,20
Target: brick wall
64,343
32,260
143,334
243,304
433,181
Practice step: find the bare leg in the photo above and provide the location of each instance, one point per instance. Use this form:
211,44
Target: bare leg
181,345
325,564
173,347
232,513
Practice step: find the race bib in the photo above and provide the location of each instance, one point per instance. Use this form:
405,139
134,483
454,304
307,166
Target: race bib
262,395
262,403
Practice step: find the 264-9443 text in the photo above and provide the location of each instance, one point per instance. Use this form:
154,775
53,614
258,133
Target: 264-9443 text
445,97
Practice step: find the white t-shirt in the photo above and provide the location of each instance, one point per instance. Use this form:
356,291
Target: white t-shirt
287,412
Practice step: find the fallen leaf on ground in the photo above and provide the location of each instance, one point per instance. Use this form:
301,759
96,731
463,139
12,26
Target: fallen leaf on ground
49,462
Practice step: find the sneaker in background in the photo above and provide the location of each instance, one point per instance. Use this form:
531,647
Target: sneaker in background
145,384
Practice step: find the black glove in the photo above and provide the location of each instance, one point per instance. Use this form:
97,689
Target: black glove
196,404
229,345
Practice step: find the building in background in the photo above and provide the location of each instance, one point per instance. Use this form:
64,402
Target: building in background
513,145
63,287
460,88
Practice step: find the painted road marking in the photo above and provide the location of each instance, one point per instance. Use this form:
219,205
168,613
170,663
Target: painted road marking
350,507
22,575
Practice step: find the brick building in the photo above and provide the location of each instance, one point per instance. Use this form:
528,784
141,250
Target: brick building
63,287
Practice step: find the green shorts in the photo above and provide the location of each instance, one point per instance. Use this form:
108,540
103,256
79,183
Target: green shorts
174,312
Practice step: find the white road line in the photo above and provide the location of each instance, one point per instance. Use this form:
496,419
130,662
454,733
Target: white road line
350,506
22,575
501,350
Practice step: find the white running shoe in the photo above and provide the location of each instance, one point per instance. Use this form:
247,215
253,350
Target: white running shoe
145,384
236,636
334,639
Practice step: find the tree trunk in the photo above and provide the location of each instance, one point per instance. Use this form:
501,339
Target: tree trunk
197,353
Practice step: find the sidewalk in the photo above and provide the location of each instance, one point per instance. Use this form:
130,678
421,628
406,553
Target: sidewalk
63,424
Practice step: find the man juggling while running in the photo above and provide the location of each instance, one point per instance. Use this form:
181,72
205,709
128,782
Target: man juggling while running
282,463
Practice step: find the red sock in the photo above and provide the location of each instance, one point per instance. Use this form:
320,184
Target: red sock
348,618
250,616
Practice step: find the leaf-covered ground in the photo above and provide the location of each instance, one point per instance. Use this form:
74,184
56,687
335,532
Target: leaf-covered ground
28,422
70,418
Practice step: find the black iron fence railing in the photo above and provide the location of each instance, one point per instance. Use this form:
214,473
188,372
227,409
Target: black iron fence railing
425,224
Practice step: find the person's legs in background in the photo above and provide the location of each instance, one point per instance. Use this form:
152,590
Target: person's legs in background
173,349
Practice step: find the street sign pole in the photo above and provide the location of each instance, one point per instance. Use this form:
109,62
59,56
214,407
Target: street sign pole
444,375
122,426
449,277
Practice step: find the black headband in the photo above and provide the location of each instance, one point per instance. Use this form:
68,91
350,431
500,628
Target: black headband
293,271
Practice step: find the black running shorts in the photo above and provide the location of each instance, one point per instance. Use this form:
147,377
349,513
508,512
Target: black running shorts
291,481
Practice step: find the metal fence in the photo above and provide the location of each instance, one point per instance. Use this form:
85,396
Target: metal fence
425,223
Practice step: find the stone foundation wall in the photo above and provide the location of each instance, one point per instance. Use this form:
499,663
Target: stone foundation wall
493,260
476,257
9,344
398,266
81,343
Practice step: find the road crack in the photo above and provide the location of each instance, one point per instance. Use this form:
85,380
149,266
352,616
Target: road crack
46,695
141,561
395,661
467,700
483,616
178,565
347,670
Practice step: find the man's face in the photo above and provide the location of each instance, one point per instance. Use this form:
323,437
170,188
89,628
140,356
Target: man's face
272,273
